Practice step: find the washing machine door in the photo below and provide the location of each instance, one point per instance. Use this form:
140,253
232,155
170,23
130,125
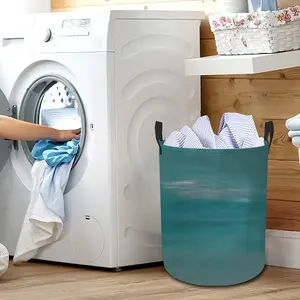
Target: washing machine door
5,145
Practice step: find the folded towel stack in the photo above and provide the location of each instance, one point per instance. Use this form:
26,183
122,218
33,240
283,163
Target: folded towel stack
293,125
4,259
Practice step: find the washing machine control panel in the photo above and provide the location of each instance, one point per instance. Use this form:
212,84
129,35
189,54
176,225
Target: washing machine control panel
68,32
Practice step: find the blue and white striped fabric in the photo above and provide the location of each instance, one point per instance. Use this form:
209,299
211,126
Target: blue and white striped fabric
185,138
205,133
235,131
239,131
293,125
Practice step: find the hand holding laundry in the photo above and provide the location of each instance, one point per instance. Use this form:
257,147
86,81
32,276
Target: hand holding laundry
13,129
235,131
293,125
68,135
65,120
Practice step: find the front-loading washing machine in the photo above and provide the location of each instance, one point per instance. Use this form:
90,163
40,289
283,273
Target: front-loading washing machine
115,73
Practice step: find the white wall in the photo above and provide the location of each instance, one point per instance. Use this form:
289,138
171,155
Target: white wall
24,6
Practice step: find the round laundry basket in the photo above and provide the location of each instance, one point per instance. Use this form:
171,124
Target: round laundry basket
213,210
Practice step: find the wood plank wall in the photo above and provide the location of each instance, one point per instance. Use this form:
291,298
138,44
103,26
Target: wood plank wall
270,96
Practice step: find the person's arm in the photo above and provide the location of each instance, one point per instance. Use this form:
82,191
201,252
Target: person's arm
13,129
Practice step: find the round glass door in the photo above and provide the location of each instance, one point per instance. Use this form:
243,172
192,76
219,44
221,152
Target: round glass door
53,101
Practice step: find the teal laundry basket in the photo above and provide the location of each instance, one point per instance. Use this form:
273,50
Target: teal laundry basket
213,211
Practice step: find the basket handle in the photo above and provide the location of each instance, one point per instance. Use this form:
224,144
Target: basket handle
158,134
269,132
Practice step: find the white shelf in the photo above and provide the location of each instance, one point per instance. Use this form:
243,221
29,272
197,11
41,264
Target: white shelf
242,64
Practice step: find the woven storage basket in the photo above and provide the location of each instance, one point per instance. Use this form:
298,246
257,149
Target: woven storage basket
257,33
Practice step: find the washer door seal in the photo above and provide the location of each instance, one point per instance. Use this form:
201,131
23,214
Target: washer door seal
31,107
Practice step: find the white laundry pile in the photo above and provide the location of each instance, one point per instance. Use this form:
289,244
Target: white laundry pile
61,118
4,259
41,226
235,131
43,223
293,125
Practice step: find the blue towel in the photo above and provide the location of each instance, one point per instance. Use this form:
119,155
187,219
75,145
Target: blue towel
55,153
59,158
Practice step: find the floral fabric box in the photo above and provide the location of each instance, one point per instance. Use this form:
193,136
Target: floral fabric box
257,33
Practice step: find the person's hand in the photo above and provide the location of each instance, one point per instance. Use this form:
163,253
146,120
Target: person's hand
68,135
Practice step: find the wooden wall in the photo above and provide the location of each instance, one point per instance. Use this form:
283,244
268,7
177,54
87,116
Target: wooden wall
270,96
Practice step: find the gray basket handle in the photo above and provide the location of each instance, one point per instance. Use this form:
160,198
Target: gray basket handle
158,134
269,132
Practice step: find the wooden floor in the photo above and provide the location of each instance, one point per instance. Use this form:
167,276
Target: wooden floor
41,281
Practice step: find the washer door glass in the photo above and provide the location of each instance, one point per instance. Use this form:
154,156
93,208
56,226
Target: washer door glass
59,108
52,101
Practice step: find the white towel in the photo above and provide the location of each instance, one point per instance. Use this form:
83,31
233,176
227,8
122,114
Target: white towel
4,259
41,226
293,125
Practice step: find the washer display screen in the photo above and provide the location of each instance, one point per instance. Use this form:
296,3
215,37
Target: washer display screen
76,23
52,101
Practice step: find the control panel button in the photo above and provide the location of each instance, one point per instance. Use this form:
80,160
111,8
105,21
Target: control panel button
45,35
